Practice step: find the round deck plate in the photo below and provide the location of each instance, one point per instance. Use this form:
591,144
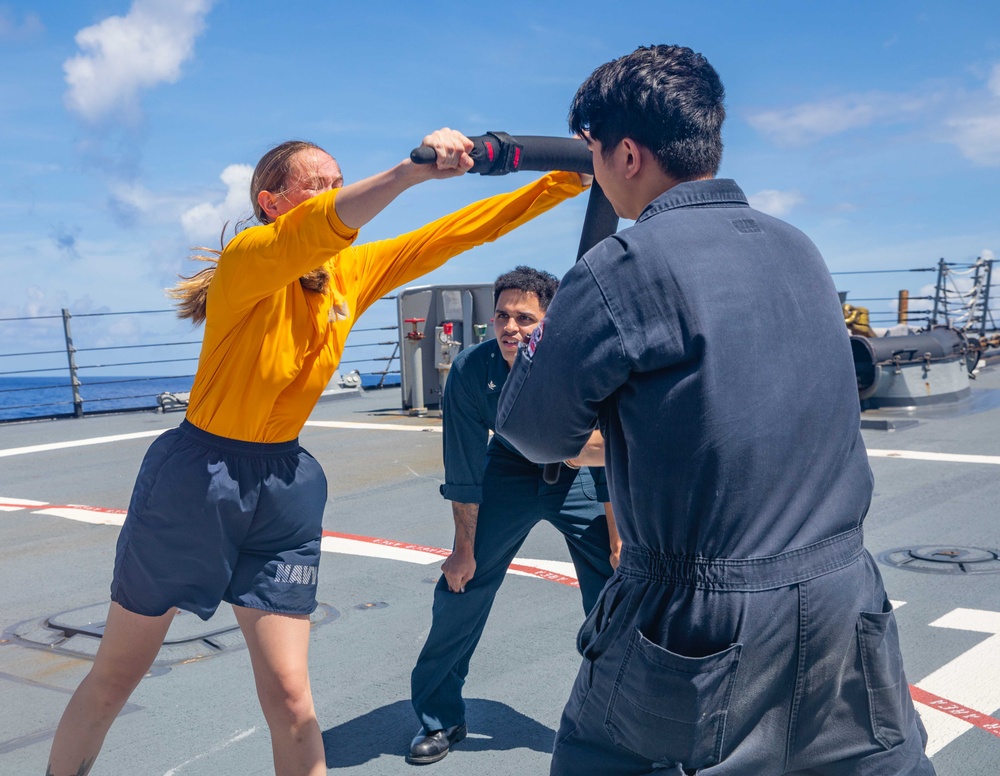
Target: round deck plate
944,559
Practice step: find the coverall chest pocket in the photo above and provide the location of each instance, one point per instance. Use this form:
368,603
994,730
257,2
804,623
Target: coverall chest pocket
669,708
888,692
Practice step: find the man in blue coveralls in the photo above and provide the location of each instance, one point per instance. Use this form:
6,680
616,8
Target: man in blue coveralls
746,630
497,497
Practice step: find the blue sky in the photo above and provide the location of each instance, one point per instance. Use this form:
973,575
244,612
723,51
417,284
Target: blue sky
129,126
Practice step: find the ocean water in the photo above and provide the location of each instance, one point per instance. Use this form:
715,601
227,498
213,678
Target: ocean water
23,398
34,397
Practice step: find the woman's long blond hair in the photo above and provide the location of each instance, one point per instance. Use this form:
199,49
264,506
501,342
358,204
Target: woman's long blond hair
270,174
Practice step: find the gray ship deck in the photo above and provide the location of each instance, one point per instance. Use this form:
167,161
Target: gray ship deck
197,712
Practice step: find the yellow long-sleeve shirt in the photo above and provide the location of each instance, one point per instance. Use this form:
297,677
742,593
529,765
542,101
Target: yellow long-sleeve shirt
270,347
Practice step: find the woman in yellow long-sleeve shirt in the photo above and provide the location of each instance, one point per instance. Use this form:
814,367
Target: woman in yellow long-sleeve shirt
228,506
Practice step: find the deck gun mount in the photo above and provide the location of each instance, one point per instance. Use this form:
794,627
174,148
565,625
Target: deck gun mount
928,367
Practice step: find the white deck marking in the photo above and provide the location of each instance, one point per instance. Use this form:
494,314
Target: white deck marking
389,551
14,504
344,544
371,426
971,679
914,455
917,455
217,748
78,443
142,434
952,700
85,514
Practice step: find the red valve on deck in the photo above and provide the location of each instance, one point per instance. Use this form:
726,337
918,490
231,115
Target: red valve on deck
448,327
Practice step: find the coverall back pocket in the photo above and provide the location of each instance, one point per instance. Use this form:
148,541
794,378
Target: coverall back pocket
888,692
671,708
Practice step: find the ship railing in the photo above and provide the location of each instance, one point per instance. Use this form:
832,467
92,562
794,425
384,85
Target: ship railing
958,297
73,364
90,363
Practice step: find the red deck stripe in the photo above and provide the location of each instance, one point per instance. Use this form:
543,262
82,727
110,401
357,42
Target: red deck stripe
973,717
389,543
552,576
40,507
957,710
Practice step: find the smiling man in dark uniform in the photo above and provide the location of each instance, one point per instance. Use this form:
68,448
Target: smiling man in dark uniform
746,630
497,497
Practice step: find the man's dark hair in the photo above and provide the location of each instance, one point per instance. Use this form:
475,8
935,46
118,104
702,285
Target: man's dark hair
667,98
526,279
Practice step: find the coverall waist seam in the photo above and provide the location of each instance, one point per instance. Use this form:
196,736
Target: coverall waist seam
744,574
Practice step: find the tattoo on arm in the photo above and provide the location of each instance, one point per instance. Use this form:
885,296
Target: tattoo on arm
83,770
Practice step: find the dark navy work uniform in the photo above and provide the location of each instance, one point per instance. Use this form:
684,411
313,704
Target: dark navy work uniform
746,630
512,498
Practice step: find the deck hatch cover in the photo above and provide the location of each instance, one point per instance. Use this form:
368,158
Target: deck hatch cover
944,559
78,632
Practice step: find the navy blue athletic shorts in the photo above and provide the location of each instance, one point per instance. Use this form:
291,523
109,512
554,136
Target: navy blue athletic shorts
215,519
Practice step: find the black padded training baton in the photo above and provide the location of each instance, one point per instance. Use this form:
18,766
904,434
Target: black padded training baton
497,153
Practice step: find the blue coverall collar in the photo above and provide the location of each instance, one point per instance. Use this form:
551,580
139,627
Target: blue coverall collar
714,191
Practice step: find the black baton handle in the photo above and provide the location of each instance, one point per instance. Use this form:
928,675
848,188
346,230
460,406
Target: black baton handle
497,153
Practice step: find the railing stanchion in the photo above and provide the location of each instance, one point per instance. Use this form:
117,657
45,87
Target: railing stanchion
71,355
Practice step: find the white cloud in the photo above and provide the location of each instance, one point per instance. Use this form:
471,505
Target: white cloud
977,137
994,82
131,203
967,119
123,55
813,121
203,223
975,129
774,202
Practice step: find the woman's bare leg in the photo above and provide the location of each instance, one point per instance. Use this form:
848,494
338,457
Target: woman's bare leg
279,651
127,650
